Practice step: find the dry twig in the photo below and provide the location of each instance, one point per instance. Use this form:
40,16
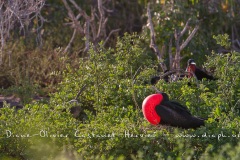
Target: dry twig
153,44
180,47
92,27
20,12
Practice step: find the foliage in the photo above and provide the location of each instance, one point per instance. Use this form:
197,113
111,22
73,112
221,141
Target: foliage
37,71
126,68
111,125
112,83
214,17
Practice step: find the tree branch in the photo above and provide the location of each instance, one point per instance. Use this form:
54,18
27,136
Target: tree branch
185,43
82,12
170,53
153,39
71,41
87,36
109,35
103,21
72,16
185,28
21,12
180,47
94,28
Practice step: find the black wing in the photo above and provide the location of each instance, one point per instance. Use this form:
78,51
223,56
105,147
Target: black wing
201,74
178,106
176,116
154,80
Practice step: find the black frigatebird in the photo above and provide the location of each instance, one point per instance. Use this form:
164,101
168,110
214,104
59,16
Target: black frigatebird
158,109
200,74
155,79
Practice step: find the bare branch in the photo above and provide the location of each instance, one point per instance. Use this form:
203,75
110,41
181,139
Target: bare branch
93,25
133,92
170,53
185,43
102,23
75,100
94,28
19,12
180,47
71,41
70,12
76,24
84,30
81,12
81,90
152,32
87,36
153,39
185,27
113,31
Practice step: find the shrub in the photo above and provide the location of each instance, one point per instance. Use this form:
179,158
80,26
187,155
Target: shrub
111,87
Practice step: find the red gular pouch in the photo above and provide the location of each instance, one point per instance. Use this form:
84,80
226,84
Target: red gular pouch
191,69
148,108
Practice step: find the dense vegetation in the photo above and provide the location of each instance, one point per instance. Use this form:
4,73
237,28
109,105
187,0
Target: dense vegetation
108,84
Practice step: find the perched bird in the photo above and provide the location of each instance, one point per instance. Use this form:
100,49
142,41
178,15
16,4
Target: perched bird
158,109
155,79
192,68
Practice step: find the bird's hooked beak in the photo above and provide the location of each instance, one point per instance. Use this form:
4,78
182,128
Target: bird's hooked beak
193,63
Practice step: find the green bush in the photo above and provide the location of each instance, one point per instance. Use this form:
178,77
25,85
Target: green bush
111,84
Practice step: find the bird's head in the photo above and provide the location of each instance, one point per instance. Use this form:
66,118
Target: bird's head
155,79
191,67
148,108
191,61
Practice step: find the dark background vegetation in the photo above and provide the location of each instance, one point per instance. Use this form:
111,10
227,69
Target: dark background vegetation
109,81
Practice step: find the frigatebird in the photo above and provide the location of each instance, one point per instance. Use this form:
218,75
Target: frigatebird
155,79
200,74
158,109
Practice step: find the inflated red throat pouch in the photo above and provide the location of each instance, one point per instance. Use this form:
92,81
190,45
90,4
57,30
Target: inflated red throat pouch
148,108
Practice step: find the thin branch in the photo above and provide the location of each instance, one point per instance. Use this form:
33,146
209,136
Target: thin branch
153,39
152,32
93,25
171,72
71,41
21,12
156,90
180,47
180,71
78,94
113,31
170,53
72,16
87,36
102,19
94,28
185,28
81,90
189,37
133,81
70,12
82,12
